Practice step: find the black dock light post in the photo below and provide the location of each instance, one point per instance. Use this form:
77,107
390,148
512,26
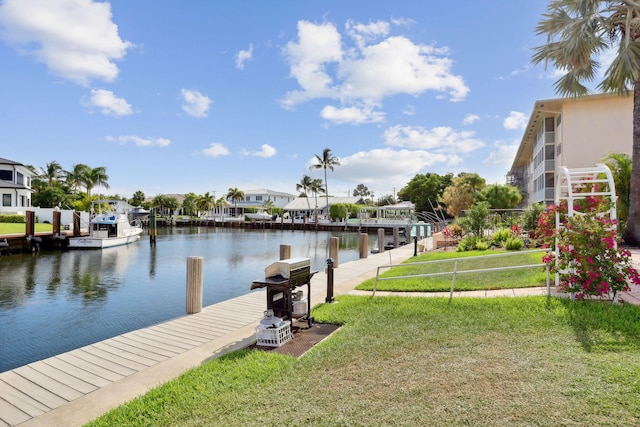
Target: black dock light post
415,245
329,280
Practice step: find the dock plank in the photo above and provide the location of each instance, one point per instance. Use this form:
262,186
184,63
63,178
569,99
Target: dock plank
154,341
38,393
147,345
48,383
183,332
10,415
77,372
191,327
63,377
91,367
21,401
164,338
85,354
137,350
119,359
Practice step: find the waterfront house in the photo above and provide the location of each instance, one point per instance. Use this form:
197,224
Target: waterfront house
302,207
15,185
569,132
256,198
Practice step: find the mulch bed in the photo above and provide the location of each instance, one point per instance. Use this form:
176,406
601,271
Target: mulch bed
304,337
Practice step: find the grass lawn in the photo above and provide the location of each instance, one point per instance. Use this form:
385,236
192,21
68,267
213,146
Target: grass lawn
520,278
13,228
422,361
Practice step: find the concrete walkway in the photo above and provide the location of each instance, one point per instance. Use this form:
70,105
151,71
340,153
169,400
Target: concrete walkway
75,387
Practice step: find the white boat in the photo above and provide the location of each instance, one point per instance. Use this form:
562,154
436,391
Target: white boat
259,216
107,230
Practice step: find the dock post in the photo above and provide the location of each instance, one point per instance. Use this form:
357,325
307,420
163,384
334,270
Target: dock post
396,237
285,252
364,245
56,222
153,226
194,284
381,240
76,224
334,244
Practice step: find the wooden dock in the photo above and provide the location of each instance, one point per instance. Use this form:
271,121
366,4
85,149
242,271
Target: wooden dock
34,389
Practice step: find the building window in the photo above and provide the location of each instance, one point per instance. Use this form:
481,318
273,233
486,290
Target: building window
19,178
258,198
559,149
6,200
6,175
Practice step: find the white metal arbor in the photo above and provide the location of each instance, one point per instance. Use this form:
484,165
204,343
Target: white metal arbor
573,185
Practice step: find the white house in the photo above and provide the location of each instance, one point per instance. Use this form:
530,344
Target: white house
15,184
570,132
256,198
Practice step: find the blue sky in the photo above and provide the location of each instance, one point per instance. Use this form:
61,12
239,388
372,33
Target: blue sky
199,95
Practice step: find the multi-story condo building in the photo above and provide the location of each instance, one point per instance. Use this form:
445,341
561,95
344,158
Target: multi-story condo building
570,132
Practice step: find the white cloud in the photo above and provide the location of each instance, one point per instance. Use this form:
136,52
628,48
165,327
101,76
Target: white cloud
75,39
140,142
439,139
377,66
502,153
216,150
266,151
355,115
515,121
470,119
195,103
385,169
244,56
109,104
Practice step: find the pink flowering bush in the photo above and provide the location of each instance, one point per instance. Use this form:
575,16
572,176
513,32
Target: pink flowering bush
588,262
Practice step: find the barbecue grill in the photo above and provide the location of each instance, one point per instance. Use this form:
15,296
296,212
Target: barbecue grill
281,279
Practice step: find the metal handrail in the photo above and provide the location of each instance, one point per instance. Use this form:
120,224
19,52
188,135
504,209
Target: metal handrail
456,271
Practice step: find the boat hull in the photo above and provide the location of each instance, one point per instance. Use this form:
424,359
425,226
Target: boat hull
93,243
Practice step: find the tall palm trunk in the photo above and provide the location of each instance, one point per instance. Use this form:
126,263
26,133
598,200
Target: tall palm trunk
632,234
326,193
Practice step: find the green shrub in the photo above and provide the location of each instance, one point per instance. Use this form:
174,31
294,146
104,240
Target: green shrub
13,218
470,243
482,245
501,236
514,244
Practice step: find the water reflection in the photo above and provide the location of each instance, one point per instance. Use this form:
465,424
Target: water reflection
51,302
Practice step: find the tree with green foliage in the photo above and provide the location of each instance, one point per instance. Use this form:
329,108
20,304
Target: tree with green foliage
305,186
190,204
423,189
476,219
235,195
500,196
457,197
326,161
205,202
578,31
621,168
137,199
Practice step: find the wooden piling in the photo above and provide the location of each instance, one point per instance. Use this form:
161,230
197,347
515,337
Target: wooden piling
285,252
334,244
380,240
56,222
194,284
76,224
364,245
30,221
153,226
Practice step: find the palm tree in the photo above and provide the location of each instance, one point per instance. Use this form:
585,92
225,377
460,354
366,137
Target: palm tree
316,188
96,177
267,205
578,31
77,176
621,169
326,161
235,195
52,172
205,202
221,203
305,186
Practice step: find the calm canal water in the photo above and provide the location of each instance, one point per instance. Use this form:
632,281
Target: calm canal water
54,301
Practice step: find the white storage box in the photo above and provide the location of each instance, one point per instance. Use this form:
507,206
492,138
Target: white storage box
273,337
